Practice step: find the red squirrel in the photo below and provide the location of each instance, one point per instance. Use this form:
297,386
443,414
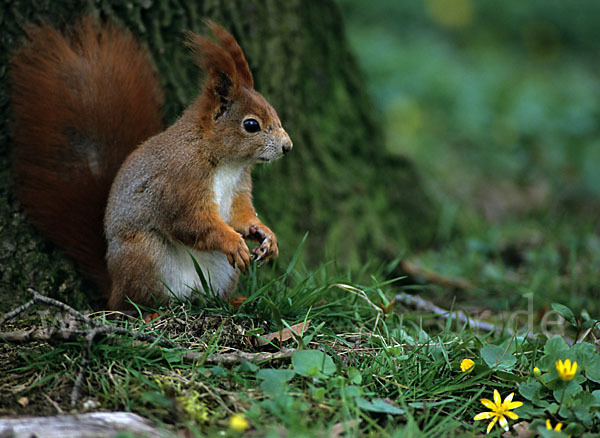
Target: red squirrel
129,203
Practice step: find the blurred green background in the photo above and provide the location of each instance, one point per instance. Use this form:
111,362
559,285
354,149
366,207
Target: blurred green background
498,102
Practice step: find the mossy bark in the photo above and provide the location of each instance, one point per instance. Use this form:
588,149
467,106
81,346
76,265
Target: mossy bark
338,183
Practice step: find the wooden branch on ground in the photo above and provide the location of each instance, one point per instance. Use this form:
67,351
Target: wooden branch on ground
41,334
97,424
239,356
99,327
16,312
459,315
433,277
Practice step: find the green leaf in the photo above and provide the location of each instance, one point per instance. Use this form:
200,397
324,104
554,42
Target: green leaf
566,313
352,391
218,371
378,405
589,324
508,376
172,357
318,394
556,348
592,369
245,367
584,406
313,363
275,374
574,429
585,354
428,404
570,390
548,433
555,345
531,391
296,255
497,357
354,376
528,411
274,380
273,387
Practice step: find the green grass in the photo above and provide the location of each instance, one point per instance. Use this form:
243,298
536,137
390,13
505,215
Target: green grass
364,367
546,259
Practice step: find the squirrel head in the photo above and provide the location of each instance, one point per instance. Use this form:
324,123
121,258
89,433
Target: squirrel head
240,123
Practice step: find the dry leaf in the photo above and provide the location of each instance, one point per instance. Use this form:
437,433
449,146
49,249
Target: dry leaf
339,429
237,302
151,317
23,401
284,334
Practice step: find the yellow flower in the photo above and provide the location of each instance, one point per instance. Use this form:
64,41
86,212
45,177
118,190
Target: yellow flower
239,423
498,410
566,370
558,426
537,372
467,365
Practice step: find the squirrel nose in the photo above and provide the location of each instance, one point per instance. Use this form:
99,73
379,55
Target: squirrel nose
287,146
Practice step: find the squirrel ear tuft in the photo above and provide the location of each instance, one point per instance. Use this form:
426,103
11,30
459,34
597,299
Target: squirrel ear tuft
216,62
225,64
244,76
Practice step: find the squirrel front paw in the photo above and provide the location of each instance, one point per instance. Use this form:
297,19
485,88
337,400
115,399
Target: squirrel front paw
237,252
268,243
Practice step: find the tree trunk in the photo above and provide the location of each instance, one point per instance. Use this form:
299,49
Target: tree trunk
338,183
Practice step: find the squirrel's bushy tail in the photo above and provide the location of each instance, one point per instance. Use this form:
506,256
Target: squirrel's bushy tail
82,102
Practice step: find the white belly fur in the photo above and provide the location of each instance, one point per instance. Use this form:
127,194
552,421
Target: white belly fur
178,272
225,183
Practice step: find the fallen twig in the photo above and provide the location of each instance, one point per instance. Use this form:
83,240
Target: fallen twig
43,334
239,356
98,424
39,298
16,312
433,277
46,334
55,333
459,315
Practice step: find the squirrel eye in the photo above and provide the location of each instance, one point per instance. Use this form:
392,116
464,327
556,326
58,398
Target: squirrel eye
251,125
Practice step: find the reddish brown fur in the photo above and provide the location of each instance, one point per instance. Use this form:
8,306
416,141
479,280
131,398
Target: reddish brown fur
222,62
96,88
93,95
208,136
244,76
